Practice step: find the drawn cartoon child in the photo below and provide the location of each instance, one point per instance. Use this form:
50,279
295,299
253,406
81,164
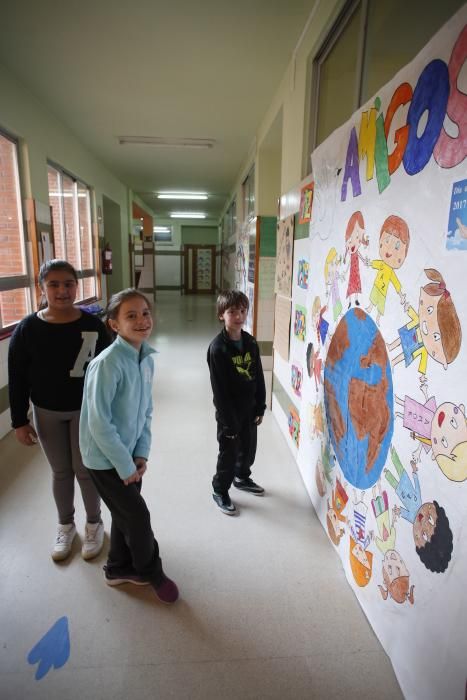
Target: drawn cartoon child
394,239
284,257
361,560
303,273
434,331
354,238
314,365
324,467
331,277
396,579
334,516
431,532
386,530
294,425
442,430
296,379
300,323
319,322
449,440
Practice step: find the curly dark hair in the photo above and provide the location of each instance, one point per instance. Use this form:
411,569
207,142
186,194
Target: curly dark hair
436,554
231,298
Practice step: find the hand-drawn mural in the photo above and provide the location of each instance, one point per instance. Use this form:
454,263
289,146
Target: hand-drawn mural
384,452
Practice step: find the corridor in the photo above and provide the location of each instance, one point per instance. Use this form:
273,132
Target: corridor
265,611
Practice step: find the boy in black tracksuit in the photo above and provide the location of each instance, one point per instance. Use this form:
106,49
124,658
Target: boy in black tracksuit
239,397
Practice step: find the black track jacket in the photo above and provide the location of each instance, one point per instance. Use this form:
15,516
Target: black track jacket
237,380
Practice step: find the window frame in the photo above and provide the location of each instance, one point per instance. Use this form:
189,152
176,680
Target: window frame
10,283
88,272
317,60
249,196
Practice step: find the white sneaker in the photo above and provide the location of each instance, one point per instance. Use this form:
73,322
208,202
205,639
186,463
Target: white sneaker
63,541
93,540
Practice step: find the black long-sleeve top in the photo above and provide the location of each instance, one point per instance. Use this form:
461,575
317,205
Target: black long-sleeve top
237,380
47,363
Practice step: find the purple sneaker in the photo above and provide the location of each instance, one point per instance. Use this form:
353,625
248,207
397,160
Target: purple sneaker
115,577
166,590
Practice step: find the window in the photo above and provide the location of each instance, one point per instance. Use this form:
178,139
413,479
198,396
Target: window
229,222
360,55
249,196
70,200
337,67
162,234
15,291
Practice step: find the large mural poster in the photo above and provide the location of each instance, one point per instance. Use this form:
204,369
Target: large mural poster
380,333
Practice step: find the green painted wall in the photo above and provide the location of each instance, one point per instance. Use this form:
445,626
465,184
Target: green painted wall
201,235
268,236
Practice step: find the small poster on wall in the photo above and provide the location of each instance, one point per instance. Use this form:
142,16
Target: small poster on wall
306,203
285,234
282,326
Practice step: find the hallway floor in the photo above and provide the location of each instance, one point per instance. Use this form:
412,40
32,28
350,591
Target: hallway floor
265,610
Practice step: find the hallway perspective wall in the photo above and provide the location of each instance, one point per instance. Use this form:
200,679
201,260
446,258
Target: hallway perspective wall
372,399
168,256
43,137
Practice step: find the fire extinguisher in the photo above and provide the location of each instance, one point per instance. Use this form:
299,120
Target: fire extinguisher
107,260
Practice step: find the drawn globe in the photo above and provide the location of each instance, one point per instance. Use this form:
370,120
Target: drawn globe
359,400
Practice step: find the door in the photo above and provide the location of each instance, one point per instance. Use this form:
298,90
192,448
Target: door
200,269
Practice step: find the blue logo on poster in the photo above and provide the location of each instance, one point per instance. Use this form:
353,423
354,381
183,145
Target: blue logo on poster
457,224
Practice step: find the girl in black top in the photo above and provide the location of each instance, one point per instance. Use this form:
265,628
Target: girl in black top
48,354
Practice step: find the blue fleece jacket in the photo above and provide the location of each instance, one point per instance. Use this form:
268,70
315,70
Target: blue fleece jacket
115,423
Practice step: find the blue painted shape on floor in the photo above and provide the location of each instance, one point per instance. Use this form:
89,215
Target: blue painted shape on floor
52,650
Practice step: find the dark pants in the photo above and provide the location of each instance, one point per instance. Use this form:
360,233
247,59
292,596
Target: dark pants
132,542
235,455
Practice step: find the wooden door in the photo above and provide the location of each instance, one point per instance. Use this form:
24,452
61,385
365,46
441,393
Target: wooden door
200,269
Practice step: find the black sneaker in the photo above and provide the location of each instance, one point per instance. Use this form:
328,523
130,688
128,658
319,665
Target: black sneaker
115,577
224,503
248,485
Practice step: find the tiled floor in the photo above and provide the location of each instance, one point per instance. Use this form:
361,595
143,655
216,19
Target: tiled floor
265,611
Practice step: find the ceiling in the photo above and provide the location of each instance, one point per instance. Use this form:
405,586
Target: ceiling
206,69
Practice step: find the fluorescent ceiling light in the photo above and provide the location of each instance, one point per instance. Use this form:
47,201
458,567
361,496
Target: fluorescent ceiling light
163,142
187,215
161,229
182,195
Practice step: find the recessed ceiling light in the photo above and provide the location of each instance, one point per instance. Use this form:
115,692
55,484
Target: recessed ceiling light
161,229
182,195
163,142
187,215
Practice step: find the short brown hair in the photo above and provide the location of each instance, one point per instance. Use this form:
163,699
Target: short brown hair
231,299
396,227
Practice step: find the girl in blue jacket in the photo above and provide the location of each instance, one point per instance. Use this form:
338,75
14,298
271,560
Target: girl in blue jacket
115,440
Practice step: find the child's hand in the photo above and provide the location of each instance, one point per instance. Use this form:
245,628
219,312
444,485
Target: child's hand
133,479
141,465
26,435
258,420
